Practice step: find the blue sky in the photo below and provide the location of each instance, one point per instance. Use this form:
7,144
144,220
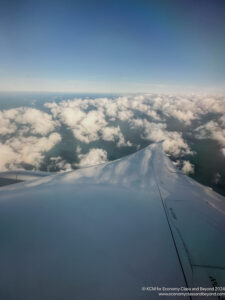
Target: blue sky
112,46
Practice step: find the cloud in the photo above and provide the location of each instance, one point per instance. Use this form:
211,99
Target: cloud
26,119
114,134
8,157
60,164
222,120
84,125
6,126
217,178
155,132
186,109
212,130
27,134
94,157
18,151
89,125
187,168
39,122
179,108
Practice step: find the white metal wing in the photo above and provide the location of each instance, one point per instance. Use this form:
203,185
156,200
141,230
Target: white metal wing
106,231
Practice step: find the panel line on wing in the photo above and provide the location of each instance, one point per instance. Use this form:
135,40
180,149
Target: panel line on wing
209,267
170,228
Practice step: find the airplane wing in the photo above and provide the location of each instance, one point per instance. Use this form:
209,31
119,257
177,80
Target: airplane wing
12,177
107,231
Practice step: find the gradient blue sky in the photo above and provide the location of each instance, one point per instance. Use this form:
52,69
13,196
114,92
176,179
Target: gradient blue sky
112,46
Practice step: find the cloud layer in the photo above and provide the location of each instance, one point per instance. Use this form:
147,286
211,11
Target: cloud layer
28,136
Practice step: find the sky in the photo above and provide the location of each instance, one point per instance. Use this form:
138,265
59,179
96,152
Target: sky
115,46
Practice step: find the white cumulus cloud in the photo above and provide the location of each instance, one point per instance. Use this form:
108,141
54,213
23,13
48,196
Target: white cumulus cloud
27,134
187,168
212,130
155,132
95,156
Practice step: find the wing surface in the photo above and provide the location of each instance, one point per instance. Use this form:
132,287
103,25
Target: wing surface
16,176
106,231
